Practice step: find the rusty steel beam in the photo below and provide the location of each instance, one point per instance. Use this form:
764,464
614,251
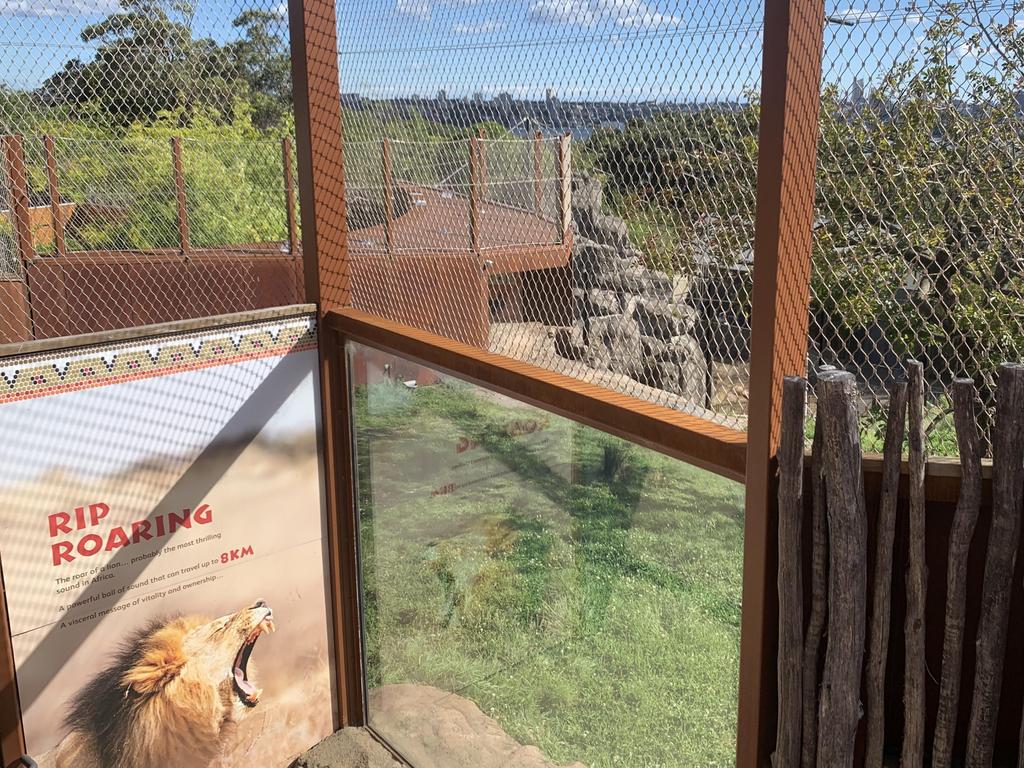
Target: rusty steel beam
787,148
320,153
59,240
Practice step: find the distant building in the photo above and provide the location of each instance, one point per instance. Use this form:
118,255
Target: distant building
352,100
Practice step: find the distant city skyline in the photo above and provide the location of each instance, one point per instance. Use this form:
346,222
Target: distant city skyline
586,50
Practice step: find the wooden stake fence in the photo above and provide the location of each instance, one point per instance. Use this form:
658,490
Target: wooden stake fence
828,733
1007,480
881,604
840,706
963,396
791,594
914,671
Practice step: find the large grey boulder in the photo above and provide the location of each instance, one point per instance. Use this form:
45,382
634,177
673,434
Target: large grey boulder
664,318
596,301
438,729
614,344
587,195
591,260
570,343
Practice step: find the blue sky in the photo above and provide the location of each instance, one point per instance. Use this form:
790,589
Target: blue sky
631,50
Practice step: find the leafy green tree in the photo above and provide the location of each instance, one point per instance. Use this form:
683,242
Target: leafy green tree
262,60
147,62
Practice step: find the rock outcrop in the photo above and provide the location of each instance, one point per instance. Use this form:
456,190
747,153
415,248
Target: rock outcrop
432,729
631,319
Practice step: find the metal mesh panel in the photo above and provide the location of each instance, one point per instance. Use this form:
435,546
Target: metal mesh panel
920,196
617,247
144,169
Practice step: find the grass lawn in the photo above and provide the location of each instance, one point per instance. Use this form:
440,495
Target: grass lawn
583,591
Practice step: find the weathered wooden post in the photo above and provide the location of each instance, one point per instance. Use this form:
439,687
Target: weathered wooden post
963,397
56,214
914,670
289,196
840,708
1007,485
881,602
790,576
819,602
179,187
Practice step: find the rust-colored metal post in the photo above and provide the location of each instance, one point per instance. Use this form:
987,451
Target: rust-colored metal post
12,735
21,223
179,192
389,196
565,189
790,85
538,189
289,195
481,148
57,215
474,195
320,152
17,180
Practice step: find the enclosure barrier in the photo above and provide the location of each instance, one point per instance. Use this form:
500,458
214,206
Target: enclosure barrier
785,230
65,275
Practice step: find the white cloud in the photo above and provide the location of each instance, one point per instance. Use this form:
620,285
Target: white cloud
627,14
563,12
855,16
419,9
48,8
479,28
634,14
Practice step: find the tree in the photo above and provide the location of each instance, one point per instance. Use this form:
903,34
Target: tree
261,59
147,62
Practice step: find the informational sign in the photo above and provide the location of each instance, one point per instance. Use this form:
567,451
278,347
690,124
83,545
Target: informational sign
163,550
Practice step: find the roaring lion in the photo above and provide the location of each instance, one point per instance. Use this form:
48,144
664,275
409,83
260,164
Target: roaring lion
171,697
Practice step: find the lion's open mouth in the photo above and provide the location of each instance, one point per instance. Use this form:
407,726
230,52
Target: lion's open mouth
248,693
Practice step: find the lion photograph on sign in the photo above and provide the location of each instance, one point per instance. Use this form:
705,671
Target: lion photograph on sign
173,696
163,553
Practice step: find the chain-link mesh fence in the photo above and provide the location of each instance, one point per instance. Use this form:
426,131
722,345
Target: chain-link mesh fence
919,237
616,246
169,125
148,170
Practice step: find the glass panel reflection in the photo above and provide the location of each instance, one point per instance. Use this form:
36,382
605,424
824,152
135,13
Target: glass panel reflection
583,592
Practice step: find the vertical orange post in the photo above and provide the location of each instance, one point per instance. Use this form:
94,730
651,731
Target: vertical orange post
17,180
389,196
289,195
59,241
538,190
474,195
320,151
179,192
481,148
12,735
565,189
790,85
